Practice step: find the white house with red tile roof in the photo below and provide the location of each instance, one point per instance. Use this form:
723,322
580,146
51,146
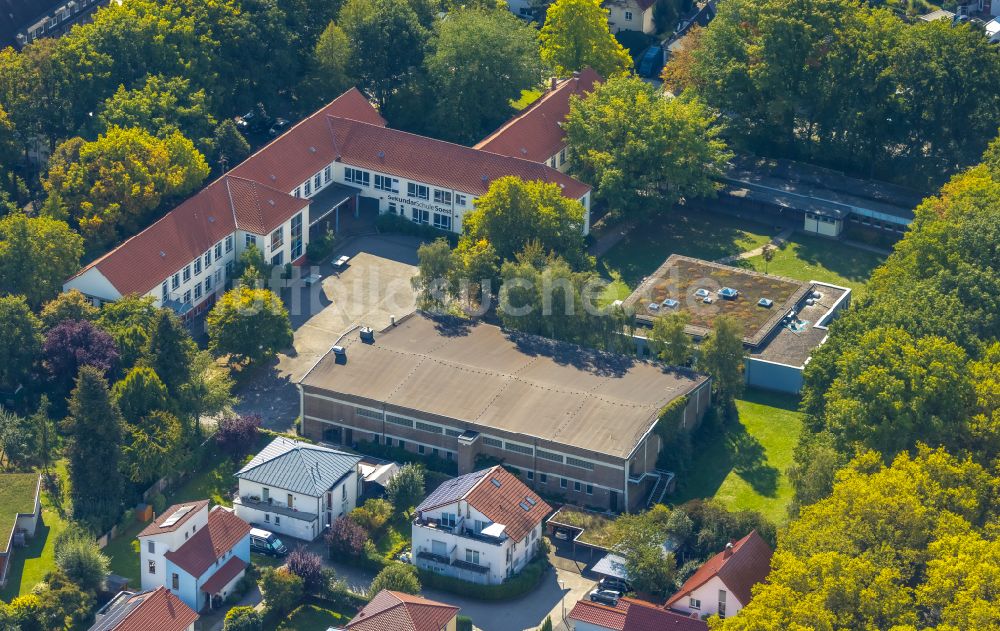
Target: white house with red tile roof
630,615
481,527
196,553
536,133
152,610
723,584
396,611
299,181
631,15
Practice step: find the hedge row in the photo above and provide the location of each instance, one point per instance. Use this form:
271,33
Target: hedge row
524,582
402,225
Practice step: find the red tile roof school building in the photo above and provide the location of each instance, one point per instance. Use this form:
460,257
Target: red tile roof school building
300,181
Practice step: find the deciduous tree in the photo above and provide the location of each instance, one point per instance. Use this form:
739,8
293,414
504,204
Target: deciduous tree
73,344
345,538
69,305
722,357
406,488
37,254
668,341
641,150
397,577
249,325
20,342
238,435
482,60
576,36
140,393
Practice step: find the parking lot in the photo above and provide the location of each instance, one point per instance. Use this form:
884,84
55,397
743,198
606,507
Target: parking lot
368,291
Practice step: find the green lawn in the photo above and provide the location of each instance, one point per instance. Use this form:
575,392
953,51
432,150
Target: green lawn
745,467
38,558
527,98
700,234
313,616
806,257
17,495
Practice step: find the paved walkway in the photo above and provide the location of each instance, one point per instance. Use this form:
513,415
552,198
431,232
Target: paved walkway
607,241
777,241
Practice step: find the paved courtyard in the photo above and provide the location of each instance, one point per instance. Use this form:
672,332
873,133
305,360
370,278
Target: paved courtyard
372,288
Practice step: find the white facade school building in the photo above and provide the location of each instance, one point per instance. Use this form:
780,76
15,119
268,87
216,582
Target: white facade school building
299,184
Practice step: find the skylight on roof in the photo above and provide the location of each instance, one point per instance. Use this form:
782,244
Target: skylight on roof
530,500
524,505
176,516
495,482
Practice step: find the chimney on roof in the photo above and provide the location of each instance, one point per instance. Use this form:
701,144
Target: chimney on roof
576,75
729,550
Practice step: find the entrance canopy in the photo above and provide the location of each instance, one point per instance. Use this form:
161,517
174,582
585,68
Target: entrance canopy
328,200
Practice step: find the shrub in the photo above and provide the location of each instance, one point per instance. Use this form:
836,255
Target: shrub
159,503
398,577
547,625
406,488
80,559
237,435
401,225
320,248
345,538
308,567
373,514
281,589
243,619
463,623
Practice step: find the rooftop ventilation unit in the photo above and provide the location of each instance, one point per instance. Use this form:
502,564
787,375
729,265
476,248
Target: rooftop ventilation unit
163,254
211,219
312,149
366,334
271,202
702,293
339,351
669,303
765,302
728,293
381,155
653,306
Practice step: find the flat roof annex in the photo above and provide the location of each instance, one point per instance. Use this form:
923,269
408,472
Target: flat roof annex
487,377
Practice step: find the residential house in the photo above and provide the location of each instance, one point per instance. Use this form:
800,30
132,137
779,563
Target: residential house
20,513
296,488
536,132
630,615
723,584
396,611
24,21
631,15
197,553
481,527
152,610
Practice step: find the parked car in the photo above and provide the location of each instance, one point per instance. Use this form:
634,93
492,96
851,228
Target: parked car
609,583
254,120
279,126
264,542
651,62
605,597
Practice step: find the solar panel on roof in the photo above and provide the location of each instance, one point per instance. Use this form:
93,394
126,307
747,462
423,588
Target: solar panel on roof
176,516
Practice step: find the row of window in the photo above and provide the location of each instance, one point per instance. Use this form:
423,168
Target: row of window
315,183
185,274
423,450
391,185
558,161
578,486
197,288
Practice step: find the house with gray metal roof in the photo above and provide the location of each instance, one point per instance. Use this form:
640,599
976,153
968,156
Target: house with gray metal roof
297,488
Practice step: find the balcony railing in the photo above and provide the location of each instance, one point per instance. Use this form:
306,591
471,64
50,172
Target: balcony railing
459,530
271,506
424,554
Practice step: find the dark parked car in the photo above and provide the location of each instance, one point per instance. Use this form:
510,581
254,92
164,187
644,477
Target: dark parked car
254,120
614,584
651,62
605,597
279,126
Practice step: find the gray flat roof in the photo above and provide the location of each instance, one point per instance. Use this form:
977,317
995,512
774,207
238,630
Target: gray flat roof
794,347
491,378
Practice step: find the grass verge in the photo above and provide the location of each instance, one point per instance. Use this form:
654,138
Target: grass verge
744,468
